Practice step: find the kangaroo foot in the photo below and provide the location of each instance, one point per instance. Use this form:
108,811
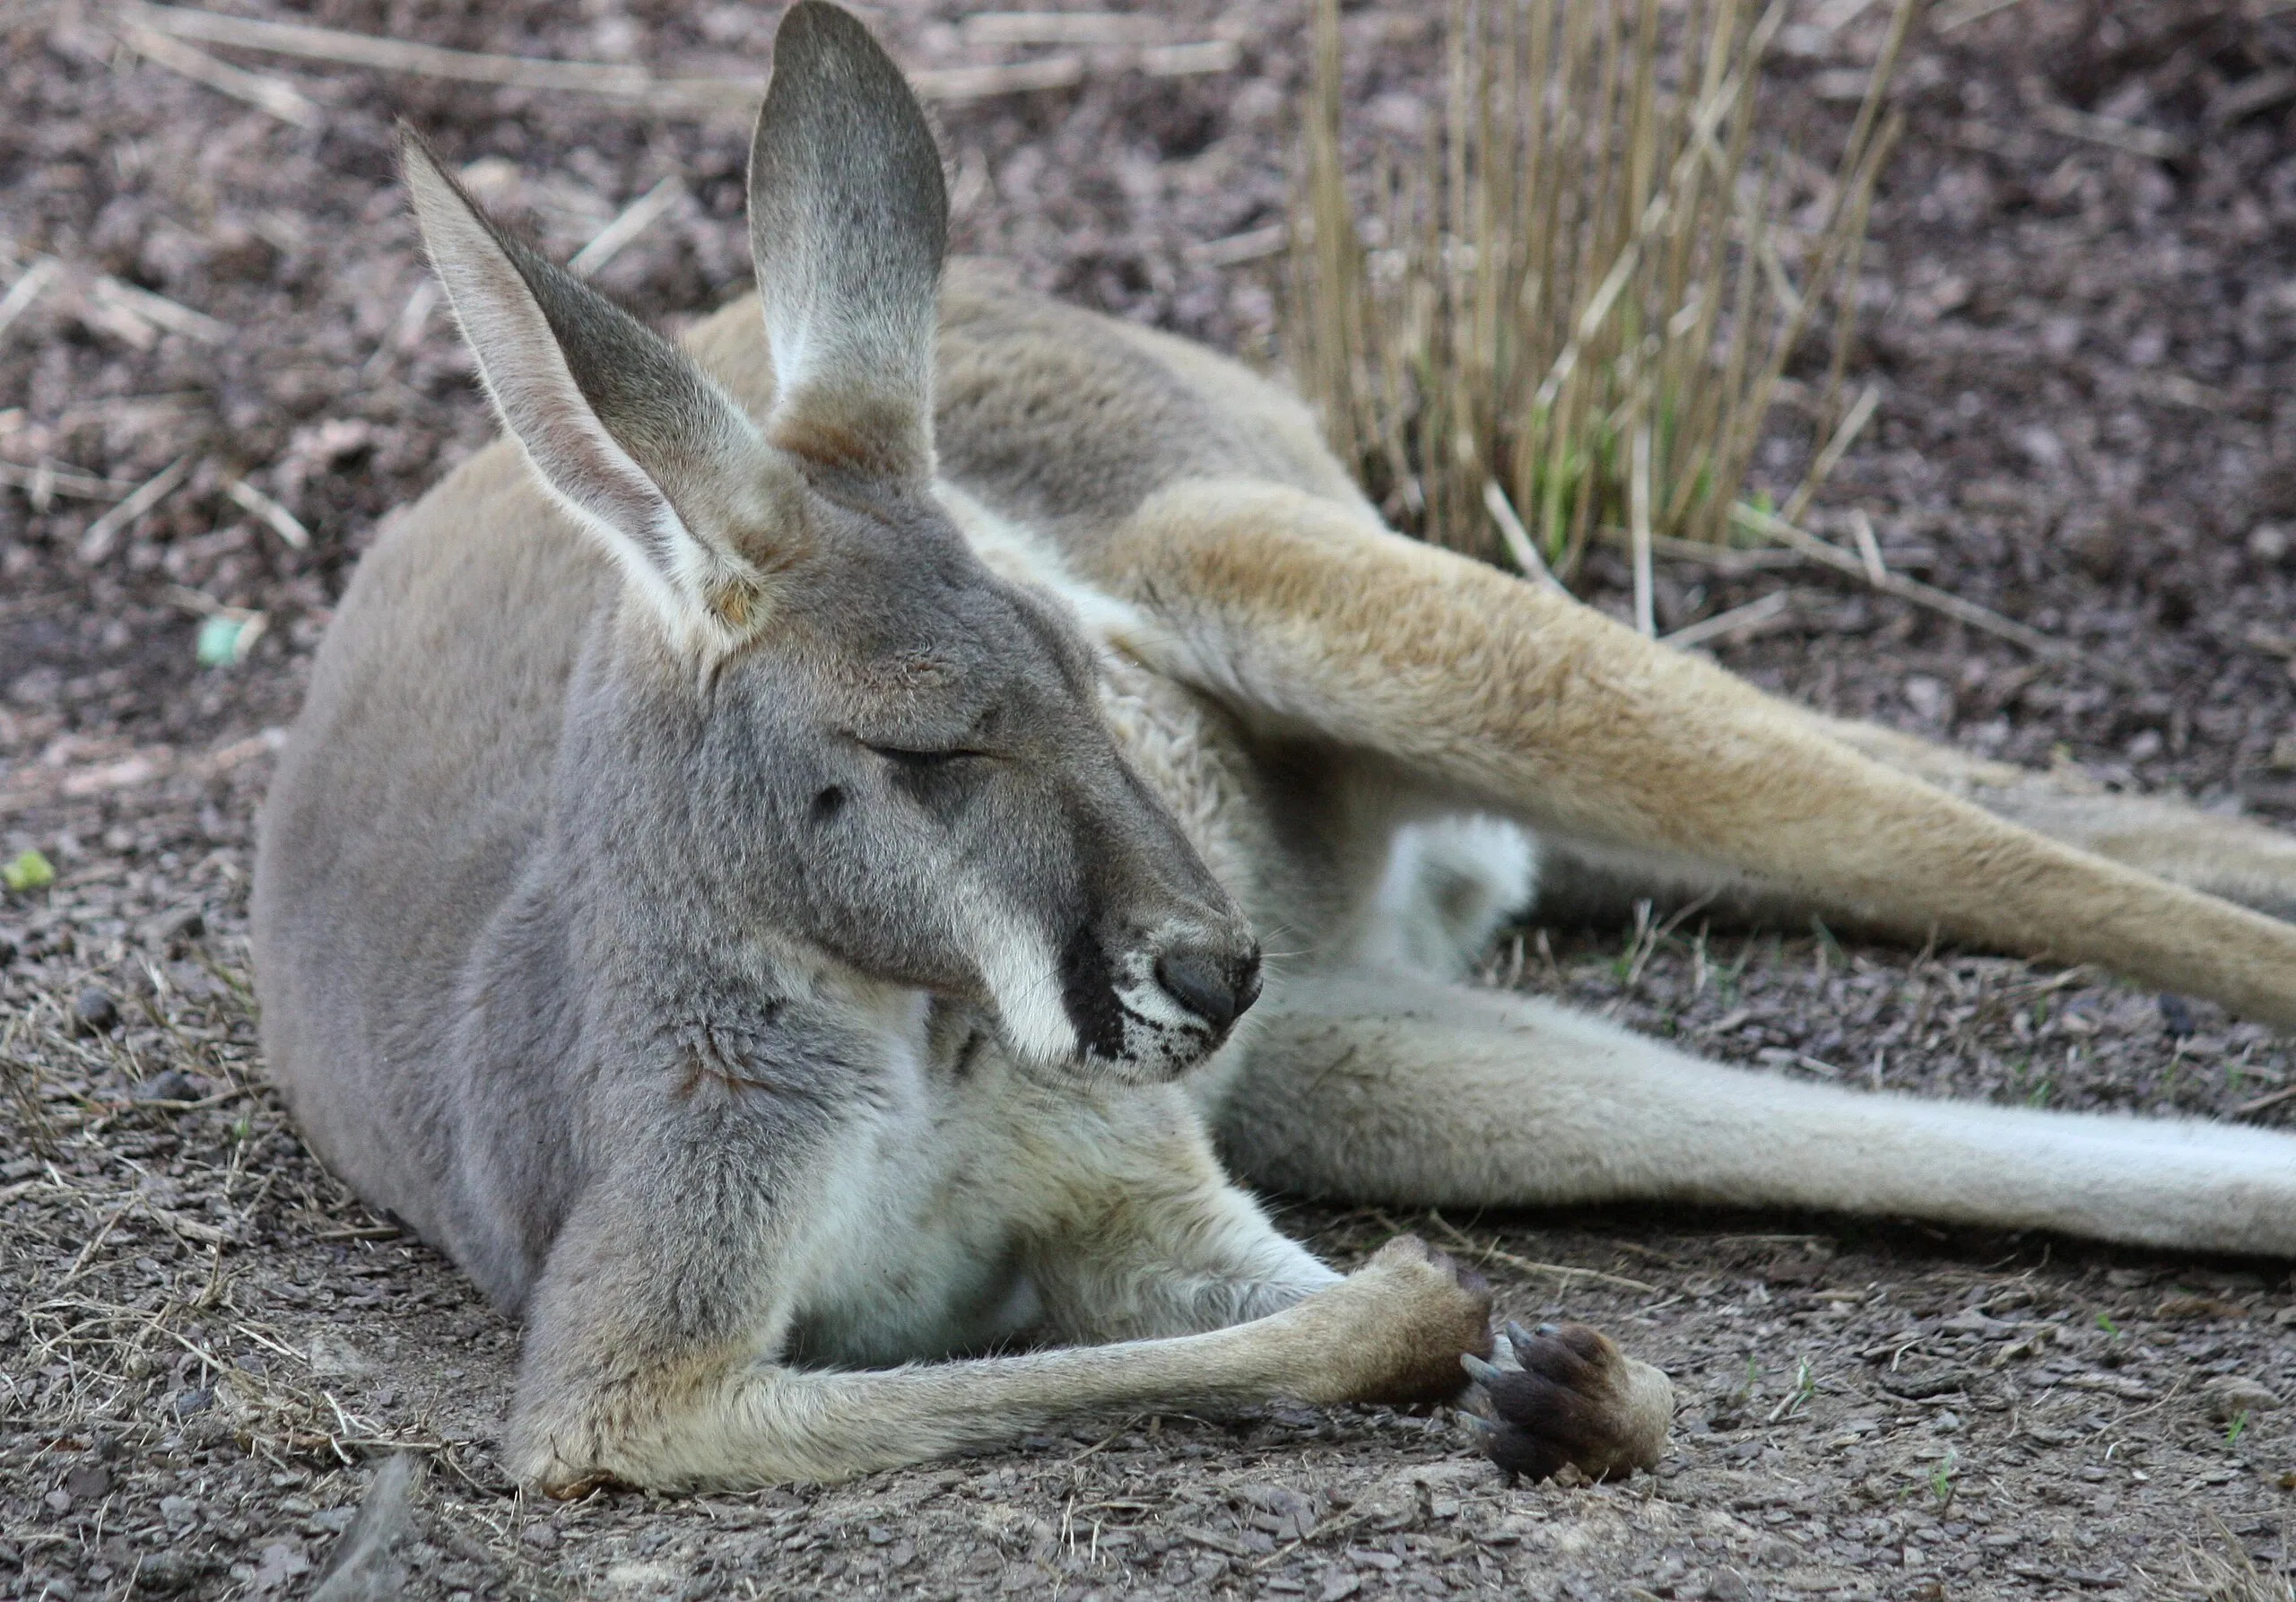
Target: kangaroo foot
1576,1399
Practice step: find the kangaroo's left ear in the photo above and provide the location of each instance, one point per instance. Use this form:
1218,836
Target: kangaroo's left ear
847,224
650,455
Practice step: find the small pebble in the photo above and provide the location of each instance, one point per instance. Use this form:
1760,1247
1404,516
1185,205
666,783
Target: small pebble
185,923
87,1482
2176,1016
95,1010
169,1084
2227,1398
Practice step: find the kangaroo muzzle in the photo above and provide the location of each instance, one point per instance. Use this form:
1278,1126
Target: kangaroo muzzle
1153,1008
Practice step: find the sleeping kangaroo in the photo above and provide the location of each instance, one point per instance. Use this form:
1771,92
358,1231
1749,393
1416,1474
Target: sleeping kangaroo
767,879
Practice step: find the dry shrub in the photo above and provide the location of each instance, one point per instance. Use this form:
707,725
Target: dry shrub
1569,313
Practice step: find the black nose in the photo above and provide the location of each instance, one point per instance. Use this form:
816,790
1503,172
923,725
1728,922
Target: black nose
1217,989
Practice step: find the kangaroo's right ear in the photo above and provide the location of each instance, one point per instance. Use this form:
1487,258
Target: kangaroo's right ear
848,222
627,432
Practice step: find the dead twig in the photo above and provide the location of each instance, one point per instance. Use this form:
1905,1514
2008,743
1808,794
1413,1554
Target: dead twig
96,544
157,308
42,786
1253,244
693,96
2261,91
1494,1254
1722,559
46,479
282,522
1737,619
1952,19
30,284
2151,144
1519,545
1909,590
262,91
344,49
995,27
2269,1100
1838,447
634,219
1869,549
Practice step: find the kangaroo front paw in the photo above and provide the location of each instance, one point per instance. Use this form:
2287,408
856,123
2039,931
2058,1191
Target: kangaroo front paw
1576,1399
1397,1328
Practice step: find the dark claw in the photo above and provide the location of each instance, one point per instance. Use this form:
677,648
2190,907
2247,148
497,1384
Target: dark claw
1560,1406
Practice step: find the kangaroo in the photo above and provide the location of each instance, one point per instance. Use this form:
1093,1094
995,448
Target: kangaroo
767,879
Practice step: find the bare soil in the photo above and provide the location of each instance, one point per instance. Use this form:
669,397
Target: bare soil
2082,313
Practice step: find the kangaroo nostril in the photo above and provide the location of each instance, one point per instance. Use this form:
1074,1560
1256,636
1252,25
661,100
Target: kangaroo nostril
1243,977
1214,990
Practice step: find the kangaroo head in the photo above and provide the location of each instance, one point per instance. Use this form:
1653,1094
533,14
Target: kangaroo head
866,741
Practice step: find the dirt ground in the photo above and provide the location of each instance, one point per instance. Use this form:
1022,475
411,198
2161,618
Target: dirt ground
2082,313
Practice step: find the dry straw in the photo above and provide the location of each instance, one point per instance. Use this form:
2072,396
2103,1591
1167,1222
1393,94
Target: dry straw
1571,313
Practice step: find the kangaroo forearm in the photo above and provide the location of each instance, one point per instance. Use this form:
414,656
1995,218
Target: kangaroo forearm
1394,1330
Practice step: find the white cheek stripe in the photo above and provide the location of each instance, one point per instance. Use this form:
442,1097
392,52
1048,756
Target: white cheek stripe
1025,983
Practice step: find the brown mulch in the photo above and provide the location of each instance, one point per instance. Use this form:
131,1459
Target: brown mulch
2082,350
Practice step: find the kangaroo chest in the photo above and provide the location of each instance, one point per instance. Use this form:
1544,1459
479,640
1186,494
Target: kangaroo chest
946,1200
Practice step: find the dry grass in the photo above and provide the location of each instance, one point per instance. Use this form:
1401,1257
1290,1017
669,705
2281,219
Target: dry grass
150,1168
159,32
2224,1572
1571,313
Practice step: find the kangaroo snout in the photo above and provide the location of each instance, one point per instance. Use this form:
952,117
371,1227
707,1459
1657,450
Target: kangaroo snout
1218,987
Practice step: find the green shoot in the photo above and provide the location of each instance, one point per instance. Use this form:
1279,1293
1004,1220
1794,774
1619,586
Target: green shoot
1943,1482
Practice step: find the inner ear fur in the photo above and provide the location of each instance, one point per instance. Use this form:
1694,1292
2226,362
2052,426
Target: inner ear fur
848,223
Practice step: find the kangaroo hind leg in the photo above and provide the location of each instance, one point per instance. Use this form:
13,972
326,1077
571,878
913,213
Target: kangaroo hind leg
1489,694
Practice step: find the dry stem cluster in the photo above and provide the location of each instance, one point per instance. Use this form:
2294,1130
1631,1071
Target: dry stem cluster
1569,313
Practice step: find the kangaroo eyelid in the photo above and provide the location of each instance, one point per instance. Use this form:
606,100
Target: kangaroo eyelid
922,759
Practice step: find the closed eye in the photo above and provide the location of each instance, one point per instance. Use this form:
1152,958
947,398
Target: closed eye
922,759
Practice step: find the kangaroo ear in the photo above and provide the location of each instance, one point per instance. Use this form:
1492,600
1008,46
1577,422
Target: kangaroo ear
626,431
848,223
